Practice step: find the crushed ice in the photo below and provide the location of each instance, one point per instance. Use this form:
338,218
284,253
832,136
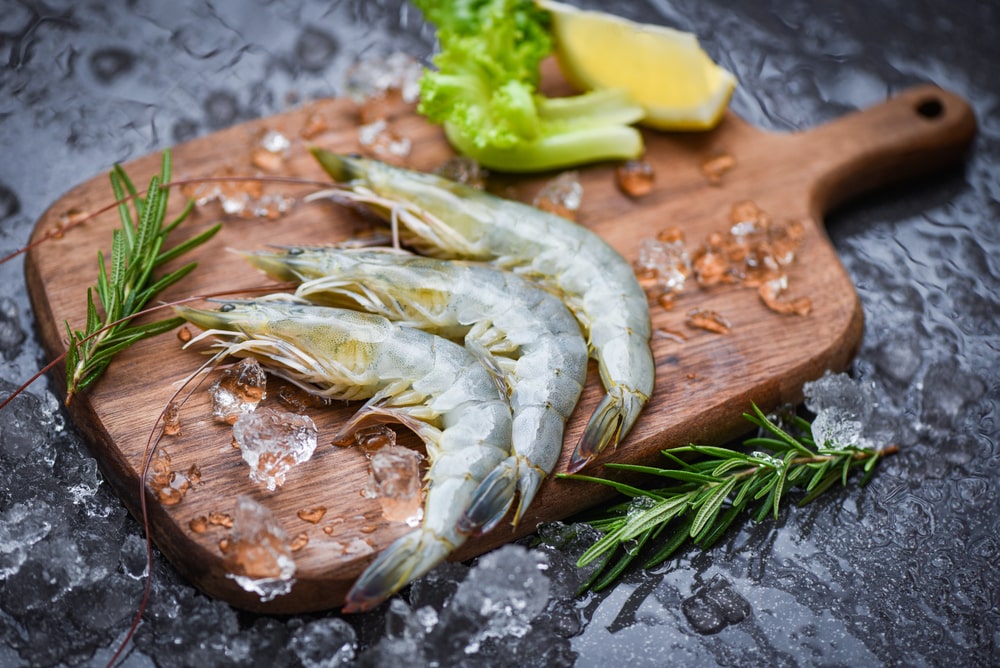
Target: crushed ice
473,614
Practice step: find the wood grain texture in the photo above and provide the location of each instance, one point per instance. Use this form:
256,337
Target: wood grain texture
703,383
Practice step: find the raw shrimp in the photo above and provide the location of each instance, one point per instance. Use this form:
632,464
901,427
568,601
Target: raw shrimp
443,218
522,332
433,386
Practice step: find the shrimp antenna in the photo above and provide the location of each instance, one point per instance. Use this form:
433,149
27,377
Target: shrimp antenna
77,221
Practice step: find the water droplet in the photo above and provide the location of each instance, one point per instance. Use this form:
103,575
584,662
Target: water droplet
111,63
9,204
221,109
299,542
715,606
185,129
315,49
708,320
312,515
715,168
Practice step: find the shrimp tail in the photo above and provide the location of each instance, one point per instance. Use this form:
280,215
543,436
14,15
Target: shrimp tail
491,500
609,424
406,559
529,479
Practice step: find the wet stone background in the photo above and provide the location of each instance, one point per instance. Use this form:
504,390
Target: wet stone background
904,572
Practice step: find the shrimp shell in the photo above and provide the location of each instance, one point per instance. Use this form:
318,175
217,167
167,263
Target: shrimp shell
447,219
431,385
523,333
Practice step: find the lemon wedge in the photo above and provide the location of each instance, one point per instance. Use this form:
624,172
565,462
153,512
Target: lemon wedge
664,70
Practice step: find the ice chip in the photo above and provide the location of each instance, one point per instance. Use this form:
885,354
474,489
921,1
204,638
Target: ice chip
383,142
238,390
395,482
842,407
272,442
463,169
666,261
375,76
257,554
562,195
635,178
275,142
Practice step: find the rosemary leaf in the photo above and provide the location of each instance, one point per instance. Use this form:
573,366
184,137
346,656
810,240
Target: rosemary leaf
125,290
713,492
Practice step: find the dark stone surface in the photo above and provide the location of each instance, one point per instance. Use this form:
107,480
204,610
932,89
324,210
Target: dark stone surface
904,572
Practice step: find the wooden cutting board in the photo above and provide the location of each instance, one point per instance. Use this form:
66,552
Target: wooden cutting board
704,380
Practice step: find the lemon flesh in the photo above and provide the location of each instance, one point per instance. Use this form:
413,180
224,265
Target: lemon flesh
664,70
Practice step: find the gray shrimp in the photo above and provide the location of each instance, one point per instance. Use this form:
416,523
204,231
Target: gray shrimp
431,385
524,334
443,218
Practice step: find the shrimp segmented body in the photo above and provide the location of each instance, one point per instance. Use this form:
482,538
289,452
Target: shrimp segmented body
446,219
431,385
522,332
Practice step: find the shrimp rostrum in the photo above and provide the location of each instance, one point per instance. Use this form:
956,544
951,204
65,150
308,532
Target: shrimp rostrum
523,333
431,385
446,219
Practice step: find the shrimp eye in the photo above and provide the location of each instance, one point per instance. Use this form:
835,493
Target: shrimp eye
226,308
296,251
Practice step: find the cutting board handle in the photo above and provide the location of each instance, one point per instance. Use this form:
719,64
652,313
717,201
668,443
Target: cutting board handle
918,131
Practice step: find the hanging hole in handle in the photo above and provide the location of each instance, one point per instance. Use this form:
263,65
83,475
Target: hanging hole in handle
930,108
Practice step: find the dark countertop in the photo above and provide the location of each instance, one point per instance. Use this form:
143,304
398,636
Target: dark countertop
903,572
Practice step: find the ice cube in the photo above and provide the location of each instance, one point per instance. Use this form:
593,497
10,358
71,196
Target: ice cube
238,390
395,482
842,407
257,554
667,261
635,178
272,442
562,195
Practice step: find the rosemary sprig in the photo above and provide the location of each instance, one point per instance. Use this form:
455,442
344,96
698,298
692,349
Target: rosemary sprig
128,285
708,495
